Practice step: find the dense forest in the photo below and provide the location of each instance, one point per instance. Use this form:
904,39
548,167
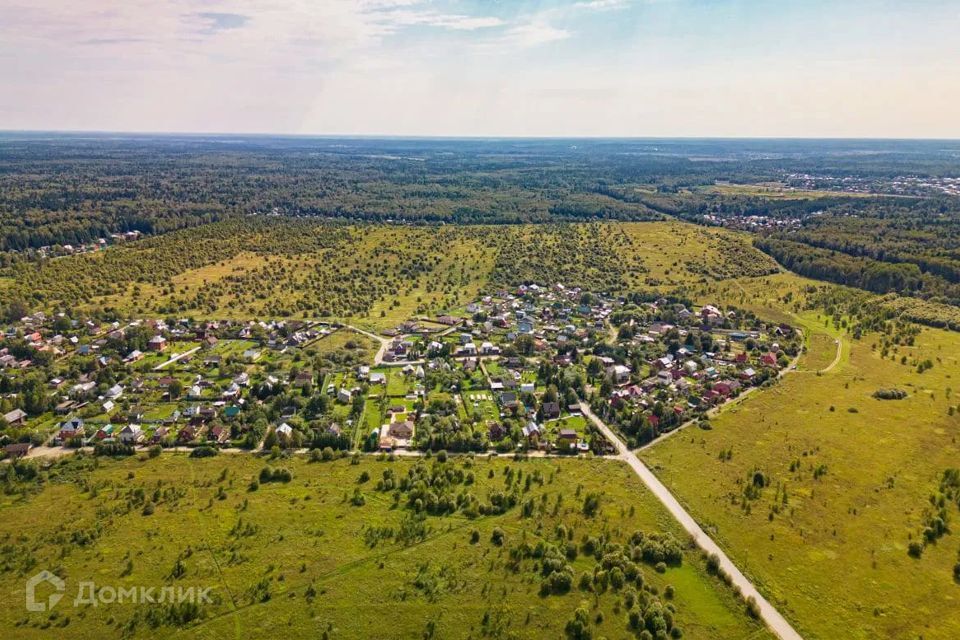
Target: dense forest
72,189
901,246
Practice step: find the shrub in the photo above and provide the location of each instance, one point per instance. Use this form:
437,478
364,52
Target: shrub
497,536
889,394
203,452
585,582
269,474
591,504
713,563
112,449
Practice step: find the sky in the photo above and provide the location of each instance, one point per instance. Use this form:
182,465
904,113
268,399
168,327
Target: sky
715,68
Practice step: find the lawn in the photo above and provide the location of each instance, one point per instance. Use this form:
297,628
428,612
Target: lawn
480,405
301,555
398,384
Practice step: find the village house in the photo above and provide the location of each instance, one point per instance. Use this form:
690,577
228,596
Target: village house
531,431
711,315
551,410
65,407
219,434
619,374
131,434
284,431
232,391
489,349
496,432
567,439
104,433
15,418
402,430
71,428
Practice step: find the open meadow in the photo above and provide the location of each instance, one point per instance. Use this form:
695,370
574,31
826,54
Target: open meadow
358,549
831,491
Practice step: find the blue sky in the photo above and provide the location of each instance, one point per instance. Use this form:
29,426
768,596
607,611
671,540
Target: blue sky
847,68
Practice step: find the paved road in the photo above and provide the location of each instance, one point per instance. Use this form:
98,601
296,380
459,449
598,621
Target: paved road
770,615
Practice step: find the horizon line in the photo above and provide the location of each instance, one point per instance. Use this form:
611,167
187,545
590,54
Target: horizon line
395,136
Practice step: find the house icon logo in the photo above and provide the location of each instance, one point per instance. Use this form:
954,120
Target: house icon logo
34,582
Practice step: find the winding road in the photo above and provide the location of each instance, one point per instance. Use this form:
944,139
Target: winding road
384,343
777,623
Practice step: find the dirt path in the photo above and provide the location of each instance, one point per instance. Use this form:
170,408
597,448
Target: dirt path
836,360
60,452
175,358
777,623
384,343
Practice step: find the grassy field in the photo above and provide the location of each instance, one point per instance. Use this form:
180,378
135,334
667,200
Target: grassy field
376,276
777,191
340,339
846,485
300,559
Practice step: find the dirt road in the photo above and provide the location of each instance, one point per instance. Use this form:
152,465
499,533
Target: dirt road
770,615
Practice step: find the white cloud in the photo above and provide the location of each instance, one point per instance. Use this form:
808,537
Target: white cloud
534,33
601,5
456,22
